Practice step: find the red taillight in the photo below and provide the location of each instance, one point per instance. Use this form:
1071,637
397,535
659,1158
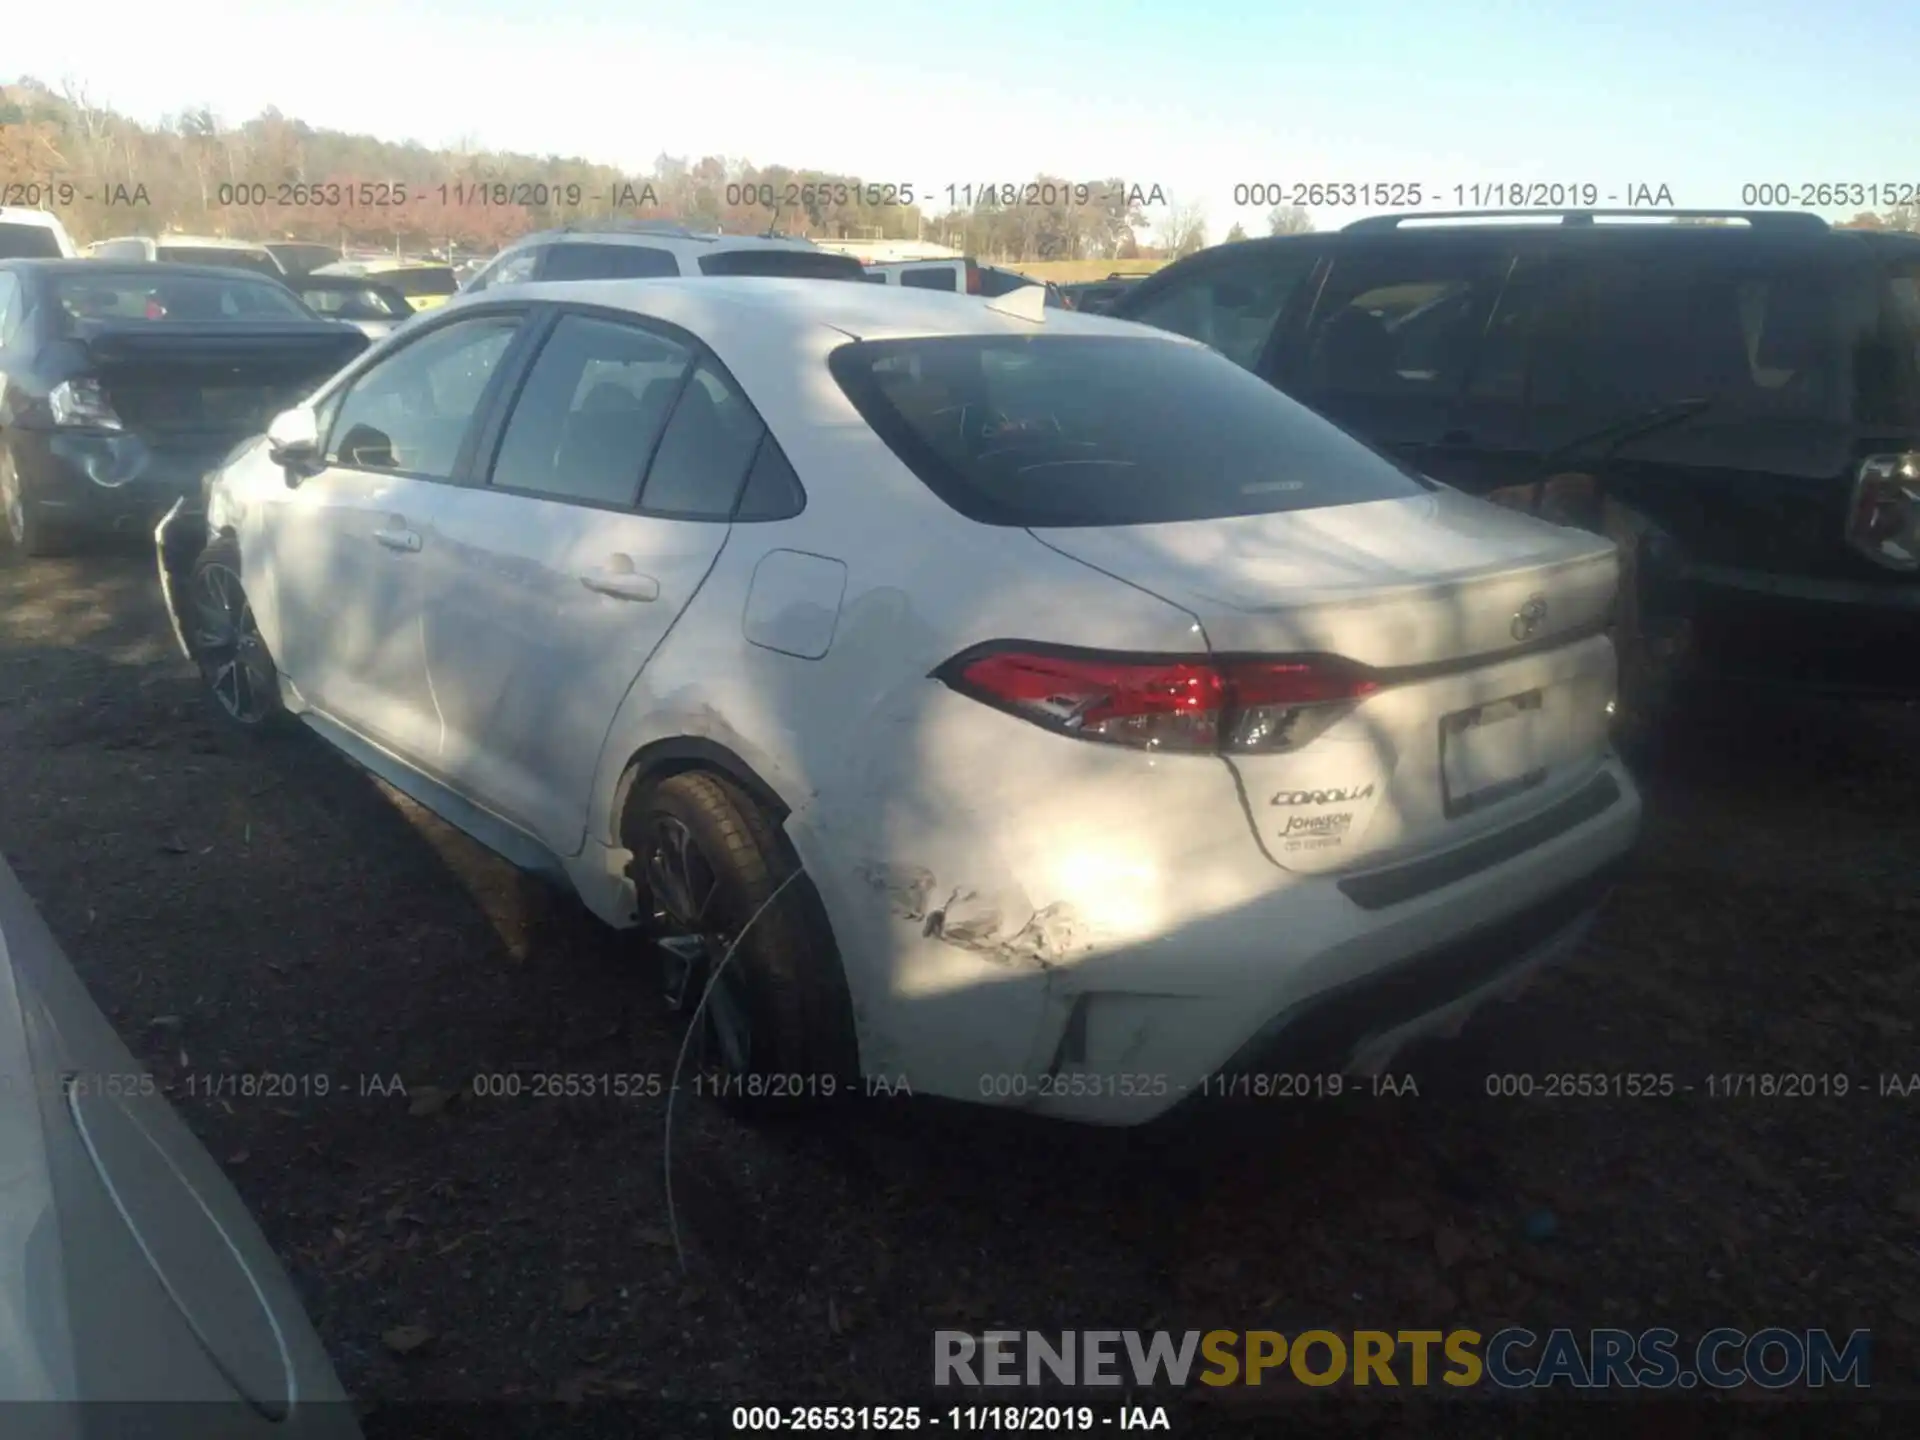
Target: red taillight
1884,521
973,278
155,310
1197,706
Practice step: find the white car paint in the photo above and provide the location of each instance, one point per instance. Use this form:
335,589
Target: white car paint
1010,904
130,1270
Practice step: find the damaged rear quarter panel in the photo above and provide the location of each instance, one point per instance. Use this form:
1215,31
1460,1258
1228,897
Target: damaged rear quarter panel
970,864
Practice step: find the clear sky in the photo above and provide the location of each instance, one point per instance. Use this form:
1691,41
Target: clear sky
1194,97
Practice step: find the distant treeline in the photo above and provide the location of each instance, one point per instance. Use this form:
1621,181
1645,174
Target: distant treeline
273,177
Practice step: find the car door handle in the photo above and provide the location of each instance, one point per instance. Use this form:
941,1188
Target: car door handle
408,540
619,579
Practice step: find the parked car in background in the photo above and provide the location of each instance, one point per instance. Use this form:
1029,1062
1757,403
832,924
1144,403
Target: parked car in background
650,249
1737,402
297,257
33,235
966,276
1010,684
123,385
363,302
131,1274
188,250
424,284
1097,296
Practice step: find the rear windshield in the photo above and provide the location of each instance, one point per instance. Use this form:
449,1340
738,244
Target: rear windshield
152,294
28,242
428,280
360,302
1073,430
256,260
795,264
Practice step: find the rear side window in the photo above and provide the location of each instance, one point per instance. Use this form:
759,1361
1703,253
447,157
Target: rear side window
795,264
28,242
1630,330
1232,307
11,307
703,458
1398,324
591,412
608,262
1098,430
939,278
514,269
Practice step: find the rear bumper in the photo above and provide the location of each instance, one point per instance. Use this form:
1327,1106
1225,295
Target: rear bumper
1335,975
95,481
1753,629
177,540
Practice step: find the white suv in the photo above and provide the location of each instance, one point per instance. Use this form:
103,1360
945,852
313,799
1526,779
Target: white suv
652,249
32,235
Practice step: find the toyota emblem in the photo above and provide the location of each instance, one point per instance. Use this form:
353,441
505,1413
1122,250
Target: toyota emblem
1527,618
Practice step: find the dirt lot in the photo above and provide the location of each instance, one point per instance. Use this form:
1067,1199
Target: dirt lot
236,907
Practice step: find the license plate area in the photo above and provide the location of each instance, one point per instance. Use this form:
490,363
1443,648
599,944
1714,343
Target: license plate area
1493,752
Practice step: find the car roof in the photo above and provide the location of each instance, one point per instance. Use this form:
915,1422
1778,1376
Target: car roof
744,310
660,236
22,215
140,270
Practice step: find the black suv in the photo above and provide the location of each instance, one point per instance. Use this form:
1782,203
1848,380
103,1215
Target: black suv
1734,397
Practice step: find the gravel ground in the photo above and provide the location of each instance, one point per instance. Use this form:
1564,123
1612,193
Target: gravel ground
246,907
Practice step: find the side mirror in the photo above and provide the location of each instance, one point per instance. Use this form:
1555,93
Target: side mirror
293,443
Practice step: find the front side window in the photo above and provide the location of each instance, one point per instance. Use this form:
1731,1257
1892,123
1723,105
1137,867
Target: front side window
1892,396
1098,430
591,412
1630,330
608,262
410,412
1232,307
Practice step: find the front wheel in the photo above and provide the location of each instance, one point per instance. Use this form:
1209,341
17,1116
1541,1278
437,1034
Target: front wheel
225,642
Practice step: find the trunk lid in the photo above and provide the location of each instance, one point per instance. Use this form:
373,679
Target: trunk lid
1483,627
1390,584
191,386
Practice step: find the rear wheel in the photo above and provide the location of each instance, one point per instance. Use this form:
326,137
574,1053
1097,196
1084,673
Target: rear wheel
225,641
776,1030
26,532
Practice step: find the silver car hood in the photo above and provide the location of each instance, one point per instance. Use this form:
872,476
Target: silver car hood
130,1269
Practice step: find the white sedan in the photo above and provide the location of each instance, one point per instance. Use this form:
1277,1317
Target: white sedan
1068,720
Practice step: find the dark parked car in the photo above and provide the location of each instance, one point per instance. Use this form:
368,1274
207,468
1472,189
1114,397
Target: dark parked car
1734,397
122,385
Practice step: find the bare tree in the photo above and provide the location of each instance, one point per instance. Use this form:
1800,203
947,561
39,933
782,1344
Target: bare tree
1183,231
1289,220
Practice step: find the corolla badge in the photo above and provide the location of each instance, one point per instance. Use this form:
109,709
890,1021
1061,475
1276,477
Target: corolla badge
1528,617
